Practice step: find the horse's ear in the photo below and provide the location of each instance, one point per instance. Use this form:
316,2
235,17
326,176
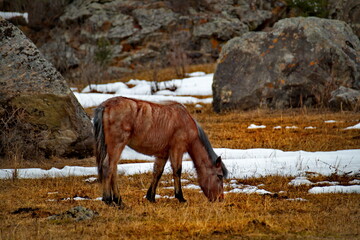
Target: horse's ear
218,162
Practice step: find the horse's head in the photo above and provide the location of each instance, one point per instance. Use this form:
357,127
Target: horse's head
212,183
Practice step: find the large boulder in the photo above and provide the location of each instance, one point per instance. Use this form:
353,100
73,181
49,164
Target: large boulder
347,11
39,115
299,63
345,99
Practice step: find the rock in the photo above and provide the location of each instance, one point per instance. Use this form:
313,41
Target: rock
220,28
153,19
347,11
39,114
77,214
345,99
299,63
122,27
148,27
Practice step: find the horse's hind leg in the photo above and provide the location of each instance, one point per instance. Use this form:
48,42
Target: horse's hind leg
158,171
176,162
110,186
116,198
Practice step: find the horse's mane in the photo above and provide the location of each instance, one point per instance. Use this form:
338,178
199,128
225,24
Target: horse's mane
205,140
209,149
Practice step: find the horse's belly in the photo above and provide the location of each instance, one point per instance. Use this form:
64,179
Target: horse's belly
154,149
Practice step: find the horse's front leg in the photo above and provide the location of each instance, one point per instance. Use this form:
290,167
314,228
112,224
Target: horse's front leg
157,173
176,165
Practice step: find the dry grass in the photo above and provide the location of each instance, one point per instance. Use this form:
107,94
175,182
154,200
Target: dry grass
240,216
230,130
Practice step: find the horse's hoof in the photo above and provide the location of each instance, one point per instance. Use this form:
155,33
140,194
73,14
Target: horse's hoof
182,200
122,206
150,197
152,200
108,201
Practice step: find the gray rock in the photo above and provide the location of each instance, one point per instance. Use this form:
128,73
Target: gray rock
60,54
347,11
38,110
132,25
153,19
297,64
220,28
253,18
122,27
345,99
78,213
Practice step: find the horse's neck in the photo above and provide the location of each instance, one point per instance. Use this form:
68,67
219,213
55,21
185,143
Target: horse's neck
200,157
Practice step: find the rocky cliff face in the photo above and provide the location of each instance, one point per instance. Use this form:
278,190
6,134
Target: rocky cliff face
39,114
301,62
128,35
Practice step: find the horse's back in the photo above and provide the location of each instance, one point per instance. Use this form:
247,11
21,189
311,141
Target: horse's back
149,128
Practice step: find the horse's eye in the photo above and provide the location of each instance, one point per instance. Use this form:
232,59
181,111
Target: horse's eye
220,177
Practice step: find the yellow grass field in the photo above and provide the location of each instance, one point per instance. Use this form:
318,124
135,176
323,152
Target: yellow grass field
26,204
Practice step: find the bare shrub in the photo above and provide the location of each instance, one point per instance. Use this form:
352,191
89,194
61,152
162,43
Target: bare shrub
94,64
18,138
177,54
103,53
155,83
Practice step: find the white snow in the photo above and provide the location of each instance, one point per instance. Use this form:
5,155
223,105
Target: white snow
240,163
191,186
254,126
300,181
297,199
336,189
9,15
197,84
249,190
357,126
91,180
355,181
330,121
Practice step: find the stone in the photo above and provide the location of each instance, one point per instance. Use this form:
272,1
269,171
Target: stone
345,99
153,19
347,11
131,25
299,63
220,28
78,213
38,111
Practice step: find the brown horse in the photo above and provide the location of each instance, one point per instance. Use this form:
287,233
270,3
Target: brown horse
163,130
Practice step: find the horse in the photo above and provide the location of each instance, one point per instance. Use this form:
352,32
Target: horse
164,130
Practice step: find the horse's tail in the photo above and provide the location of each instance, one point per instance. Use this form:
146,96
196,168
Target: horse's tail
100,145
